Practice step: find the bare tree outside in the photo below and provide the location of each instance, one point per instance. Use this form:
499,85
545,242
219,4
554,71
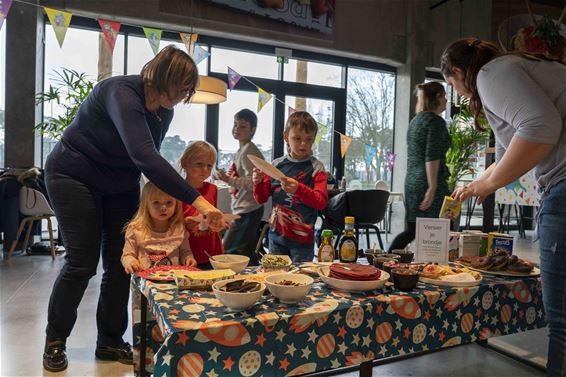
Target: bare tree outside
369,120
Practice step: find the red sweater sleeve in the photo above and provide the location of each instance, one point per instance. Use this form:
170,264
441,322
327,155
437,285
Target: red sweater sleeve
262,191
317,197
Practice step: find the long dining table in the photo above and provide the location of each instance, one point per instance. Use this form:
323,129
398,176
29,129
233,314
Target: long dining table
190,333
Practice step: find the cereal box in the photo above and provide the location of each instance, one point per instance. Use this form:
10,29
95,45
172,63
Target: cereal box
450,208
499,242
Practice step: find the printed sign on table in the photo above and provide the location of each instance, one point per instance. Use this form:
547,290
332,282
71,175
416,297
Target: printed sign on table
432,240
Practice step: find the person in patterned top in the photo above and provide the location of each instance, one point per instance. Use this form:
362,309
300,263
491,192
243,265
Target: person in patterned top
156,235
299,196
428,140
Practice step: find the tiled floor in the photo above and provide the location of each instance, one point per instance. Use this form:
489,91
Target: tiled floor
25,285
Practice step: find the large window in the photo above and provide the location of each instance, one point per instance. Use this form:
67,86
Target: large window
79,53
2,90
313,73
245,63
369,120
263,138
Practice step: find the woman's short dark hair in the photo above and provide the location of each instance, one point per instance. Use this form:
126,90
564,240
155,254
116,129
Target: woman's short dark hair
247,116
428,95
469,55
171,70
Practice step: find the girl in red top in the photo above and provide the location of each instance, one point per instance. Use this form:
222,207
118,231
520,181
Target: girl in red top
197,162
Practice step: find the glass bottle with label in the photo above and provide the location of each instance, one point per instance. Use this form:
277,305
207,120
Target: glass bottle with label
348,251
326,250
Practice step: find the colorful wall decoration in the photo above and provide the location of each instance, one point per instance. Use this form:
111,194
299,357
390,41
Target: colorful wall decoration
522,192
311,14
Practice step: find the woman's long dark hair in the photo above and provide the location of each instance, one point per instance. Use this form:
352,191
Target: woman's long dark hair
469,55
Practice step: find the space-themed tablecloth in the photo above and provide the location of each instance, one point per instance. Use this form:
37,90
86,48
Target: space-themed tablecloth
190,333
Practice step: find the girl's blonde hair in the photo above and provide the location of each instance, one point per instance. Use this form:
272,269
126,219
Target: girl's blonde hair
428,96
142,219
194,150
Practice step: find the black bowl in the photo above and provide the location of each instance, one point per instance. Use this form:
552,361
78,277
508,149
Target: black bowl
404,279
406,256
370,254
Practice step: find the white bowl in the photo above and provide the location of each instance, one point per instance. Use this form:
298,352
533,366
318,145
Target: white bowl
235,300
234,262
353,285
289,294
272,267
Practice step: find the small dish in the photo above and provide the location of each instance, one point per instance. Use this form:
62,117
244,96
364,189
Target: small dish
234,262
404,279
289,288
237,301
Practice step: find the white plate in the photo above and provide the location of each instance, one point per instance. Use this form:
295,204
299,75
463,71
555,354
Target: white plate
355,286
266,167
445,283
534,272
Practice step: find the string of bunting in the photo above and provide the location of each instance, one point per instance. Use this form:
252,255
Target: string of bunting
60,21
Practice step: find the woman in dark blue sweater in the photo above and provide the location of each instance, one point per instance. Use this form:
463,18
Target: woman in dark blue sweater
93,176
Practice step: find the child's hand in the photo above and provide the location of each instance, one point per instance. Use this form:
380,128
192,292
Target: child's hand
289,185
220,227
131,266
257,176
190,261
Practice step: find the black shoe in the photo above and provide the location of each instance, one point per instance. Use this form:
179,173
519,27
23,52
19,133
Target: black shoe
54,356
122,353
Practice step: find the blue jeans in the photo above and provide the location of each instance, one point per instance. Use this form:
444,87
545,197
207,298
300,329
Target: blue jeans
552,233
298,253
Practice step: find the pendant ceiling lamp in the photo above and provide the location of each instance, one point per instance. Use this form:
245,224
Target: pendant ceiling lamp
210,91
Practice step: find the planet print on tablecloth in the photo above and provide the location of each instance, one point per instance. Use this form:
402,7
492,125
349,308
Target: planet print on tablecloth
467,322
452,342
355,317
531,315
227,333
190,365
383,332
405,306
487,300
325,346
521,292
419,333
156,334
193,308
505,313
302,369
249,363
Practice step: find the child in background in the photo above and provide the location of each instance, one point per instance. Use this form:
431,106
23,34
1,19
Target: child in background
197,162
156,235
241,237
297,199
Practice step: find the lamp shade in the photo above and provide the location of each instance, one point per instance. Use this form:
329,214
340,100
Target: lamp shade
209,91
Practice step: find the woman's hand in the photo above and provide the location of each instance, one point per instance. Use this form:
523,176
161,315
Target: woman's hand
222,175
481,188
428,199
191,222
132,265
289,185
212,215
190,261
257,176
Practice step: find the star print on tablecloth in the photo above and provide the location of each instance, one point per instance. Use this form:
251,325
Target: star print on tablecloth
395,341
406,333
284,364
342,348
306,352
370,323
356,339
182,338
441,336
228,363
312,336
366,341
342,332
212,373
379,309
439,312
335,363
290,349
280,335
270,359
260,339
337,318
214,355
432,331
398,324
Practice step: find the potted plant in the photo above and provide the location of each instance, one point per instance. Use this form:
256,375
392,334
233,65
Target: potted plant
466,142
69,89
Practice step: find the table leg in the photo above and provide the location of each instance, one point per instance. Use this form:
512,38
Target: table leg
366,369
143,334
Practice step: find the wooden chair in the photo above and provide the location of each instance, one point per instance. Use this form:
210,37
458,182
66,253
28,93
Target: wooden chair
35,207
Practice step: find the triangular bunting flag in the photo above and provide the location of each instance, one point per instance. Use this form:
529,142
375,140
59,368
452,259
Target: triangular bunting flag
199,54
189,40
390,160
4,9
154,38
110,31
322,130
233,78
371,151
345,142
60,21
262,98
290,111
